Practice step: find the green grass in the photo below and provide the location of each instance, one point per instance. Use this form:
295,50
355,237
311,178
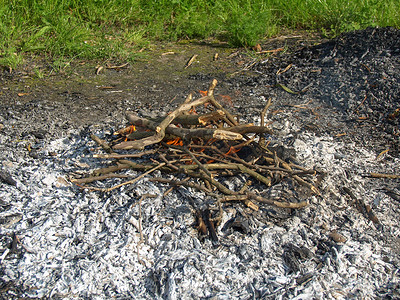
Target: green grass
62,30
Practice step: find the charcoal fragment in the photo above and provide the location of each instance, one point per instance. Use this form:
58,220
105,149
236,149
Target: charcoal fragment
240,224
305,278
6,178
294,255
34,154
392,194
39,133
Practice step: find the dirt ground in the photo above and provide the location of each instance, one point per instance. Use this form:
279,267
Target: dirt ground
85,93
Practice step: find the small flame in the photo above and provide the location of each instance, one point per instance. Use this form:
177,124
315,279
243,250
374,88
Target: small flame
132,128
203,93
232,150
176,142
126,130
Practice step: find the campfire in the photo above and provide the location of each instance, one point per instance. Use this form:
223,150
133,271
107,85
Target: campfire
201,144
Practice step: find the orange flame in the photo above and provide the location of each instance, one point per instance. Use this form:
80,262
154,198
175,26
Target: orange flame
203,93
232,150
132,128
176,142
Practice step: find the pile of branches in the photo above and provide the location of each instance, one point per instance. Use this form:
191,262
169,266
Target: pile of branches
200,142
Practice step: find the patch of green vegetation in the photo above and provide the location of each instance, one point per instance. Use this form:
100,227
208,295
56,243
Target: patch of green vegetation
62,30
333,17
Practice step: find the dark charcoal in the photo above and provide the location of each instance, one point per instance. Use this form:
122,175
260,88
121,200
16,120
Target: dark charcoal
294,255
6,178
355,73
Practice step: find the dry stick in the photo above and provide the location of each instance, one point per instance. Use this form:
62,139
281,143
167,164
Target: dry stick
261,141
239,160
229,166
211,89
301,181
188,98
232,196
97,178
101,143
212,158
208,167
282,204
172,187
184,183
127,182
208,185
120,166
160,129
218,185
110,169
190,61
162,156
245,187
254,174
262,178
184,133
208,176
264,111
229,119
123,163
276,160
206,182
144,196
247,128
186,119
217,105
248,202
197,162
380,175
298,178
253,196
127,164
118,156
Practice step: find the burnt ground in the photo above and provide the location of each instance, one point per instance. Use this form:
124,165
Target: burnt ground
354,76
335,103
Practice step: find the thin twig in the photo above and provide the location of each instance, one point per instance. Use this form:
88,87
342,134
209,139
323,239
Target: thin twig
119,156
144,196
380,175
97,178
127,182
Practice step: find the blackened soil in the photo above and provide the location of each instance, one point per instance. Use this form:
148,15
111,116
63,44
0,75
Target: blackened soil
354,77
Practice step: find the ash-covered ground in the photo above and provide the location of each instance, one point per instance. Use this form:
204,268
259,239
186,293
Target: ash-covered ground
334,106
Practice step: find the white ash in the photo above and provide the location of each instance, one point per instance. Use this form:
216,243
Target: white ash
81,244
